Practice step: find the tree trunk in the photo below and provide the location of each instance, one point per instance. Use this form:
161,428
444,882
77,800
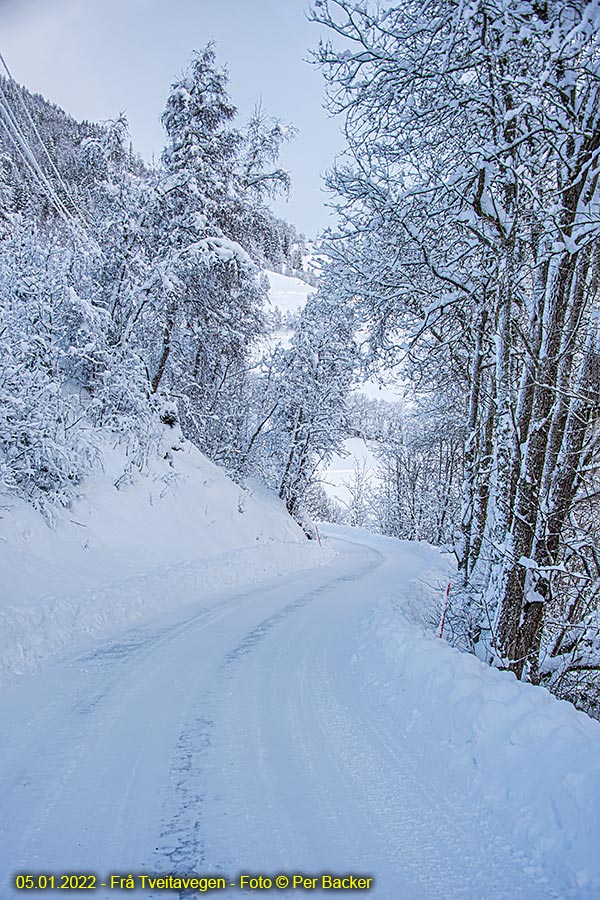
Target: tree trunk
472,457
164,356
520,603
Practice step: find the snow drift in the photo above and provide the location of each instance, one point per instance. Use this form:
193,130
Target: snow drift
133,546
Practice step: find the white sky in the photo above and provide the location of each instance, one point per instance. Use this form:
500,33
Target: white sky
96,58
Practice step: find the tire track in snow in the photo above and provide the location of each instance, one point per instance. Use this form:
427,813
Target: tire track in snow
261,631
188,795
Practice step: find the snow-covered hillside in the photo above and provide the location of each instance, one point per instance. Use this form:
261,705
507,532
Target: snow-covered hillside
286,293
128,548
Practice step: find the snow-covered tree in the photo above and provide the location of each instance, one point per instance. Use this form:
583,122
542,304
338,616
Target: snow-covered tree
127,288
469,229
301,418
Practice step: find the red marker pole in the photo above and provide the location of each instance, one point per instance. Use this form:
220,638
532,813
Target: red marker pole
445,609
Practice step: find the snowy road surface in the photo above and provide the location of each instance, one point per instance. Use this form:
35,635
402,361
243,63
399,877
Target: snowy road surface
247,736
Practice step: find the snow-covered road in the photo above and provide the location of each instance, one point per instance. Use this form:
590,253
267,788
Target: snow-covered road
248,737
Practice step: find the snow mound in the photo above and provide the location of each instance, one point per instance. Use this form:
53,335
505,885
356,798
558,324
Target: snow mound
132,547
511,744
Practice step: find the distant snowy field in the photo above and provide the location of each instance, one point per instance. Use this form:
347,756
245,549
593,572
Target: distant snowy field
288,294
175,534
340,472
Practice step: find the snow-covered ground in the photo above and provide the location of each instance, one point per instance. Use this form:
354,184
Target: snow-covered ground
309,724
286,293
189,686
181,530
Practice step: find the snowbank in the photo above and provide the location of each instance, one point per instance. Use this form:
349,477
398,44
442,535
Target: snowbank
132,547
512,744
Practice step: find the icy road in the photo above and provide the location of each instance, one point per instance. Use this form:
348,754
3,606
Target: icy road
253,735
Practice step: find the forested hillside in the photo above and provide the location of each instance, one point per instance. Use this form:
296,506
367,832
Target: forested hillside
134,296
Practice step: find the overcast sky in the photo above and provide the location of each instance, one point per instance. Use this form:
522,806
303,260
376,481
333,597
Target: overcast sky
96,58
